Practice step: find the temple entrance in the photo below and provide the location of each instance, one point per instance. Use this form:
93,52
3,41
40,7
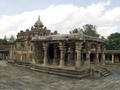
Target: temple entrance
83,57
51,53
92,56
57,60
100,58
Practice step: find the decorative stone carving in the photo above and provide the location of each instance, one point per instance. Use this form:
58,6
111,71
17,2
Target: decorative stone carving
45,60
38,23
87,61
78,51
55,61
113,59
97,54
69,56
62,54
103,55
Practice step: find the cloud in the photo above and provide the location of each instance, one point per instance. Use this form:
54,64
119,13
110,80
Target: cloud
107,30
64,18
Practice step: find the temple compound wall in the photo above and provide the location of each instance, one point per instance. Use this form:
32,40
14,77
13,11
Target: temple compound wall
41,46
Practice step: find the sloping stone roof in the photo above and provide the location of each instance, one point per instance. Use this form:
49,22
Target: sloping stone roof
66,37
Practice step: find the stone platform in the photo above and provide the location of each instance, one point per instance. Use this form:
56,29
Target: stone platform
66,71
56,70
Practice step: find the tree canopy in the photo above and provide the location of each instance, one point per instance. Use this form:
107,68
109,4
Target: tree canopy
4,41
113,41
87,29
90,30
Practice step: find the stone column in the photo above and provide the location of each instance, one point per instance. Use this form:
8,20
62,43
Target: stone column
113,61
33,54
97,58
87,61
72,57
21,58
103,55
78,51
97,54
55,55
62,54
45,60
69,56
116,59
107,58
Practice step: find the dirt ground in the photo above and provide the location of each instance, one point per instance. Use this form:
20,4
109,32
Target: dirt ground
20,78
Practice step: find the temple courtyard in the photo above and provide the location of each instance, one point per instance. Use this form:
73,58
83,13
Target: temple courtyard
20,78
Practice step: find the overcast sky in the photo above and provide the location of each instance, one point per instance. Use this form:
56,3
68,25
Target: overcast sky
60,15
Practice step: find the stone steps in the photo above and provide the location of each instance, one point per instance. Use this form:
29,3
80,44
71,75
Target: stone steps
102,70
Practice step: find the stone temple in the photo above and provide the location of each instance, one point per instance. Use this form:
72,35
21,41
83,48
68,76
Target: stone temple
70,55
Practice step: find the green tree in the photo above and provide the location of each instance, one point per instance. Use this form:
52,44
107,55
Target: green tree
87,29
102,37
90,30
76,30
113,41
4,41
1,42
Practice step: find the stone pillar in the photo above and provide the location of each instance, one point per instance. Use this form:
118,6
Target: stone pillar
55,55
87,61
62,54
21,57
69,55
97,54
103,55
116,59
45,60
97,58
107,58
72,57
78,51
113,61
33,53
10,52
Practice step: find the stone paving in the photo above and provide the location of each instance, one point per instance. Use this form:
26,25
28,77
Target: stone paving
20,78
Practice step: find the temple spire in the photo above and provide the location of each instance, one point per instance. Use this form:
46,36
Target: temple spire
38,23
39,18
